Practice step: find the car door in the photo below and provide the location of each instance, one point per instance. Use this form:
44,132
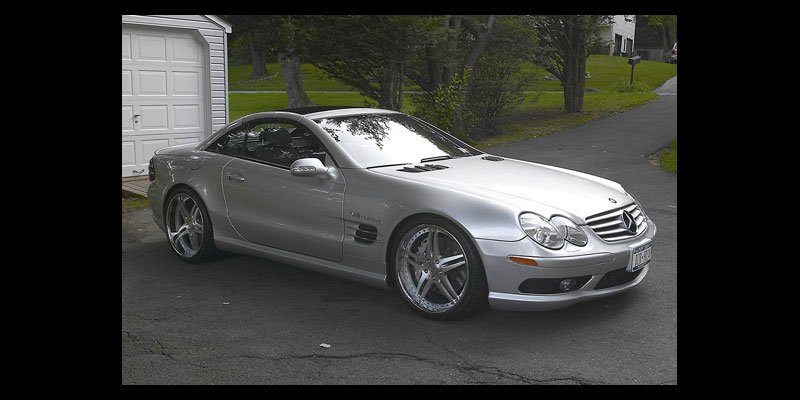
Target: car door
268,205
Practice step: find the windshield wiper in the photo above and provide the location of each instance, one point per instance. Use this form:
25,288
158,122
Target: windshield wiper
388,165
437,158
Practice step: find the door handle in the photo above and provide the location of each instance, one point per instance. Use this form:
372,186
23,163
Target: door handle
235,177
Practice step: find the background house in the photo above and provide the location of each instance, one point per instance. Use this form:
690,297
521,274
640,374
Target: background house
621,35
174,83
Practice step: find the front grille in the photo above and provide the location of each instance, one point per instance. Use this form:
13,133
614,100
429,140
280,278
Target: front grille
610,225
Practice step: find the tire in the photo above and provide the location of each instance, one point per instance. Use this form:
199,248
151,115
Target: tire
440,279
188,227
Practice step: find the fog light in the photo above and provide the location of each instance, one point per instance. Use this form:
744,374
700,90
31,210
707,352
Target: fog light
566,285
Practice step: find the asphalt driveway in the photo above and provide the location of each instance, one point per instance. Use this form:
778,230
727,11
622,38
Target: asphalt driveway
243,320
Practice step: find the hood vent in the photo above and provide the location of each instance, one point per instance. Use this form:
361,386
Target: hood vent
423,168
492,158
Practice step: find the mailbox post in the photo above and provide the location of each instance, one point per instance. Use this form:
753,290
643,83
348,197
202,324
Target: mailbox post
633,61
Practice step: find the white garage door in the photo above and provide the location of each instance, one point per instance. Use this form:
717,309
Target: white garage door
163,93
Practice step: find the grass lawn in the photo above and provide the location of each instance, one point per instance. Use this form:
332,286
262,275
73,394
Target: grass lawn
668,159
131,202
541,114
609,73
313,79
546,116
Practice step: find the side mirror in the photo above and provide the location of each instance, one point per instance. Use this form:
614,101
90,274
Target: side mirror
308,167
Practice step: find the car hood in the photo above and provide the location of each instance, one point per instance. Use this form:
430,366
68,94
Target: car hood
529,186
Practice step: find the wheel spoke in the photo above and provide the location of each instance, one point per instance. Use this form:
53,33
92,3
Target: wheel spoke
182,208
424,284
414,263
414,256
181,232
434,239
449,263
447,289
194,241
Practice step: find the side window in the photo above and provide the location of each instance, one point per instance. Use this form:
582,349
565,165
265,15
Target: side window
271,141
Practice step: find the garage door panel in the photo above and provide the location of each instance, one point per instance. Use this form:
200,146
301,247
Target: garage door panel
127,119
187,116
185,50
153,117
187,140
152,83
152,48
151,145
127,53
127,82
186,83
128,154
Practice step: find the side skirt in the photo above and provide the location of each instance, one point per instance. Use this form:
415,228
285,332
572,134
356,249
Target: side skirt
315,264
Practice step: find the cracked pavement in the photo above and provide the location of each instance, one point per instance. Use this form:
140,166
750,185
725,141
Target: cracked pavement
244,320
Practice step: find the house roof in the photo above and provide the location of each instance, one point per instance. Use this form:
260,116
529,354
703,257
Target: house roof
221,22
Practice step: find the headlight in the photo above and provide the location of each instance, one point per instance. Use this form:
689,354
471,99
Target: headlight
553,233
571,232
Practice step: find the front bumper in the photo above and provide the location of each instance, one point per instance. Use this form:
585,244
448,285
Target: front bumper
600,264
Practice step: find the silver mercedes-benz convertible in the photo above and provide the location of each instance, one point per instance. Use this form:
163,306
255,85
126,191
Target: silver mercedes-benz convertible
387,199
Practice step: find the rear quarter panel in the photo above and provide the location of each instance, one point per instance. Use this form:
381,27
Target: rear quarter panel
199,170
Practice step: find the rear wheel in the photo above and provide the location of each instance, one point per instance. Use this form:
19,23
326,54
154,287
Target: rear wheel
438,270
188,226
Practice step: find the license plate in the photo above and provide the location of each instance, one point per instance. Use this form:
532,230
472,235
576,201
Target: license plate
640,256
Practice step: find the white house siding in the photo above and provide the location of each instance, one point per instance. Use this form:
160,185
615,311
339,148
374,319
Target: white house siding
626,29
214,85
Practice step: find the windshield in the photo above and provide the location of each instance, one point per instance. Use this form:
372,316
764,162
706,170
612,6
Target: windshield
392,139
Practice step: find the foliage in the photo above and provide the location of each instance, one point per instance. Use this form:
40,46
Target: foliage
370,52
438,107
625,86
499,78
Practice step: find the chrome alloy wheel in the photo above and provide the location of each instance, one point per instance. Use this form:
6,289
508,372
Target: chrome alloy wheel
432,268
185,225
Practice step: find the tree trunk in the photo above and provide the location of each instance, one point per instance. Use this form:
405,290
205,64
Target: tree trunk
392,88
481,41
259,63
292,81
574,74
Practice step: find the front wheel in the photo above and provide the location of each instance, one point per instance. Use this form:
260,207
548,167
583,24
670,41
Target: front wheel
188,226
438,270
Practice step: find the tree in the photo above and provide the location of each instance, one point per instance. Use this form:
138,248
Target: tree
668,24
275,36
457,43
564,44
248,36
498,78
291,45
370,52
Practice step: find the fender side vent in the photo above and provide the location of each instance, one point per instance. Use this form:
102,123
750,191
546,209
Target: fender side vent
364,233
492,158
423,168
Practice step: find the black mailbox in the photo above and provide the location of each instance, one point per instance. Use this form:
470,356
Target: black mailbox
634,60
